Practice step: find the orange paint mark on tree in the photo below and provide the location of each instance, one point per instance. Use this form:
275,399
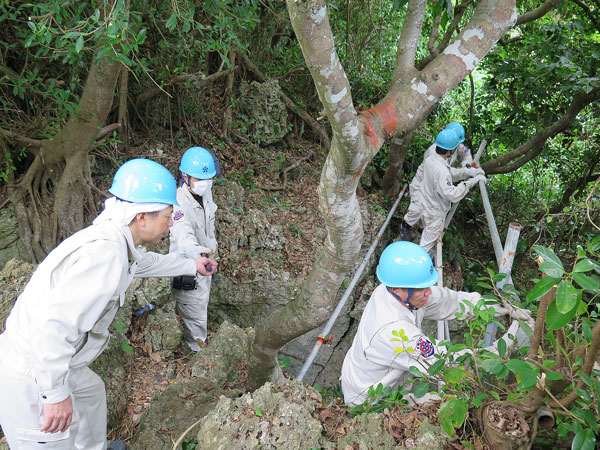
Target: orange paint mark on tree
386,112
370,131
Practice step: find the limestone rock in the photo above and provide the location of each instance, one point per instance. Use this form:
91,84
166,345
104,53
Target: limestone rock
263,114
11,246
163,330
13,278
225,358
271,417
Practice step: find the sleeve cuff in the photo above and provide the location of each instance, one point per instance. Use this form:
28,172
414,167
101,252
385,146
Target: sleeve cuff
55,395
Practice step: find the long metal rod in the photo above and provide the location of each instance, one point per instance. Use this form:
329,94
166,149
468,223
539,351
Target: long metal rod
450,214
349,289
505,266
489,215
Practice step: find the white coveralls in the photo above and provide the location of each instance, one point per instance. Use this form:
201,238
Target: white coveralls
371,359
193,227
413,213
59,325
437,195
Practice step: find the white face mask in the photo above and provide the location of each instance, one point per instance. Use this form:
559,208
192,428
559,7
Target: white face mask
201,187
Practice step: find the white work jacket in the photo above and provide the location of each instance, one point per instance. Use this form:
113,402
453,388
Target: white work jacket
60,321
371,359
462,153
193,224
438,191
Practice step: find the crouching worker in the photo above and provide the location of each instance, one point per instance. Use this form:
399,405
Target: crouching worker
193,234
406,296
59,324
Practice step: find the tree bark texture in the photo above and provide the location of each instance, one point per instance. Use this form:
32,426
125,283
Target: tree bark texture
52,198
355,140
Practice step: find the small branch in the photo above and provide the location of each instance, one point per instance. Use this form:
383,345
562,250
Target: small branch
538,329
587,205
15,137
535,14
108,129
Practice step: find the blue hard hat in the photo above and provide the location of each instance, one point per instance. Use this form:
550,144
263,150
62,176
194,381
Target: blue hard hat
447,139
406,265
144,181
198,163
458,129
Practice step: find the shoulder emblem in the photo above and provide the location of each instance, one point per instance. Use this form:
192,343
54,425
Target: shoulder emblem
448,181
425,347
178,214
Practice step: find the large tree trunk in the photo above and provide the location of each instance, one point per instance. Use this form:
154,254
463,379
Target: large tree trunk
356,139
53,198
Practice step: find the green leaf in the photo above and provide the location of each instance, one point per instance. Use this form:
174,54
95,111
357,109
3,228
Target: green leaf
454,375
528,379
597,386
79,44
566,296
453,414
585,265
421,389
584,440
551,269
126,347
553,376
171,22
587,283
436,367
258,412
415,372
501,347
477,401
550,257
555,319
492,366
541,288
517,366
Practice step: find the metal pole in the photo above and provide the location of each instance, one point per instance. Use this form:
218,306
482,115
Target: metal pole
505,266
455,205
489,215
349,289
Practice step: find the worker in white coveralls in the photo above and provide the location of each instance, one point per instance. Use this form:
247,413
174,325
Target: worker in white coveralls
50,399
462,153
438,191
193,234
406,296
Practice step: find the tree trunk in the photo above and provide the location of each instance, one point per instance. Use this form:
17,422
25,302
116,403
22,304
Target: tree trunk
392,179
356,139
52,198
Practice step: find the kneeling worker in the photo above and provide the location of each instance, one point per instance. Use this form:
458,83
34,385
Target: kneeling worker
406,296
60,323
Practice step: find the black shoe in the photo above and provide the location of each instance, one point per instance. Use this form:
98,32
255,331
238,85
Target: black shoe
405,233
117,445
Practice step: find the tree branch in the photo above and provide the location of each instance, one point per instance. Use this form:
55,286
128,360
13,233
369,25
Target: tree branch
535,14
516,158
591,15
22,140
409,40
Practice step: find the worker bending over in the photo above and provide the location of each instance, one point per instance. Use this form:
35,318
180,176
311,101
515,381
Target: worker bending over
404,298
60,323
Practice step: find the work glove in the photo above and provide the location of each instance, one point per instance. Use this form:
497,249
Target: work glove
474,171
193,251
475,180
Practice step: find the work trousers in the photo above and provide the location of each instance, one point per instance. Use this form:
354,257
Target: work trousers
433,229
413,213
192,307
21,412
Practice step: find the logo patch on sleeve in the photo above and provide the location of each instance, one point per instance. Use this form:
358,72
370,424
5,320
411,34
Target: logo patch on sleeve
448,181
426,347
178,214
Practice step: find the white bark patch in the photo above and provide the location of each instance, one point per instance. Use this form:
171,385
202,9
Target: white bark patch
340,95
350,130
475,32
410,116
420,87
319,14
470,60
431,98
